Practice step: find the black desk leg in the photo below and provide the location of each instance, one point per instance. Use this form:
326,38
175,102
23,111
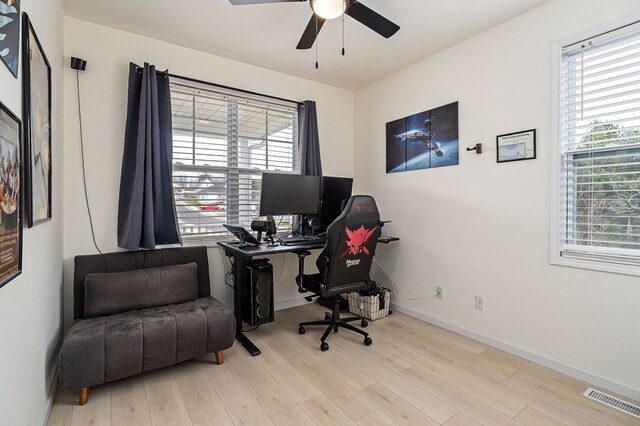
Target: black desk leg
247,343
238,304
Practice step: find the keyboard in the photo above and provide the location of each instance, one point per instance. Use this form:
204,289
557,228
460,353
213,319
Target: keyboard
300,239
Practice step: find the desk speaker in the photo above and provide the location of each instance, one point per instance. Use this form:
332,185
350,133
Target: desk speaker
258,293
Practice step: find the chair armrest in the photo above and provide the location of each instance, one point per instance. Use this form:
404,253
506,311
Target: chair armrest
325,269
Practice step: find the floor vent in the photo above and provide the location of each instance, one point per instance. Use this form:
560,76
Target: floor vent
612,401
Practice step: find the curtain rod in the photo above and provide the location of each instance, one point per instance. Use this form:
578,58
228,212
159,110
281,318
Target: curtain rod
165,72
222,86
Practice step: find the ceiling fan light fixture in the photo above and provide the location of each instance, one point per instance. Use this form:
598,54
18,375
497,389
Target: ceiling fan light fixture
329,9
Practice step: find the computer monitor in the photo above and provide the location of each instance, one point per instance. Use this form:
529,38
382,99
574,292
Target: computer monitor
334,191
289,194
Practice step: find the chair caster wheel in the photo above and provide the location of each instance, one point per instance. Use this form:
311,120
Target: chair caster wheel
327,317
301,330
364,323
335,329
324,346
367,341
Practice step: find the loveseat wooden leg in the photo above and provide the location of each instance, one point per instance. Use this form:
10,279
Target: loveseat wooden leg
84,396
219,359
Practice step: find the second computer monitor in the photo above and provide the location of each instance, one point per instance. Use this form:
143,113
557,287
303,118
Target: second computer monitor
335,190
289,194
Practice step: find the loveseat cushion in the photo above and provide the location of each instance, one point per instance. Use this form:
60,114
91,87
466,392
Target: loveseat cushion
107,348
116,292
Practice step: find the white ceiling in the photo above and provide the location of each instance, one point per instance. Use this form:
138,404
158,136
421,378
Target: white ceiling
267,34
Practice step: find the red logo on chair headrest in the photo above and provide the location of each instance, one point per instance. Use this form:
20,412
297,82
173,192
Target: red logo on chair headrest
357,240
365,207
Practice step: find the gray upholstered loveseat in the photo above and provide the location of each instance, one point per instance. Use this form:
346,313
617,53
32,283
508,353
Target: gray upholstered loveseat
139,311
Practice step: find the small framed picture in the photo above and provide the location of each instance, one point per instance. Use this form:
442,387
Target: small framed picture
516,146
10,34
10,195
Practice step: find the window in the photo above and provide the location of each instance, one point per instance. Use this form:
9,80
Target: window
222,142
598,164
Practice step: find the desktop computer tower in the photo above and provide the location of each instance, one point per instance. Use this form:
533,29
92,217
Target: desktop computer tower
258,293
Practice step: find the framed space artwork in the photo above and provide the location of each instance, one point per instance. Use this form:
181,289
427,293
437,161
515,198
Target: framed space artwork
36,81
424,140
10,34
10,196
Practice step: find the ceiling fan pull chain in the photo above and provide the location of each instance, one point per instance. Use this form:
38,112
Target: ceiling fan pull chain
316,41
343,34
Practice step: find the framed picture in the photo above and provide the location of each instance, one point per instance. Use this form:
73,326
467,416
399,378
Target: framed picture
10,34
10,196
516,146
424,140
36,81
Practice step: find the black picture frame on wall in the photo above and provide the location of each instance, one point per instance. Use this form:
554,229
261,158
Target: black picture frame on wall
36,86
11,209
10,34
516,146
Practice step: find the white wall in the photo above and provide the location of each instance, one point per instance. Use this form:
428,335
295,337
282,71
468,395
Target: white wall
104,97
482,228
31,304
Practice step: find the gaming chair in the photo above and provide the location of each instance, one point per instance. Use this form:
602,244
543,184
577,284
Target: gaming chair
344,263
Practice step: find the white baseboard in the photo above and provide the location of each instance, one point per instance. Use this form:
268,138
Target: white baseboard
561,367
45,418
291,303
51,396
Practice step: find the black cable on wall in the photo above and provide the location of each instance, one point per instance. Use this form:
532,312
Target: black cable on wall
80,65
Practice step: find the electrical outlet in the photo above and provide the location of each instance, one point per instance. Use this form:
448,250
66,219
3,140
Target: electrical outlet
480,303
438,292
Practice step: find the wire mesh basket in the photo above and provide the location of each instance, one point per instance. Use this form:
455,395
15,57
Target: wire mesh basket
370,307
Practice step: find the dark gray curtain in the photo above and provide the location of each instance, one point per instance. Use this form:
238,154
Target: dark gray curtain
146,211
308,148
308,141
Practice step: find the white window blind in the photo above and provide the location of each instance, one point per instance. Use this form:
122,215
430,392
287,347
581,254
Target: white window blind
600,148
222,142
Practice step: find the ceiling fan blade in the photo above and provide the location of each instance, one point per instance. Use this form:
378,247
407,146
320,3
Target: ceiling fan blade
243,2
371,19
310,33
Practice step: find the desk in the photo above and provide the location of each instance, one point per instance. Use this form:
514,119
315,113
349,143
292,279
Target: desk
243,254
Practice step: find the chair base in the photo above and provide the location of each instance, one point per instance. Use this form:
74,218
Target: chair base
328,303
334,322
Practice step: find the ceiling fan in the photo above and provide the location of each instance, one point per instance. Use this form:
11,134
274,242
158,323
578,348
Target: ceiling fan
324,10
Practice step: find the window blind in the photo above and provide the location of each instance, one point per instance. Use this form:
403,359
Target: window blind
600,148
222,143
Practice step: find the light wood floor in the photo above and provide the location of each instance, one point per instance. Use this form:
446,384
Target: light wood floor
414,373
